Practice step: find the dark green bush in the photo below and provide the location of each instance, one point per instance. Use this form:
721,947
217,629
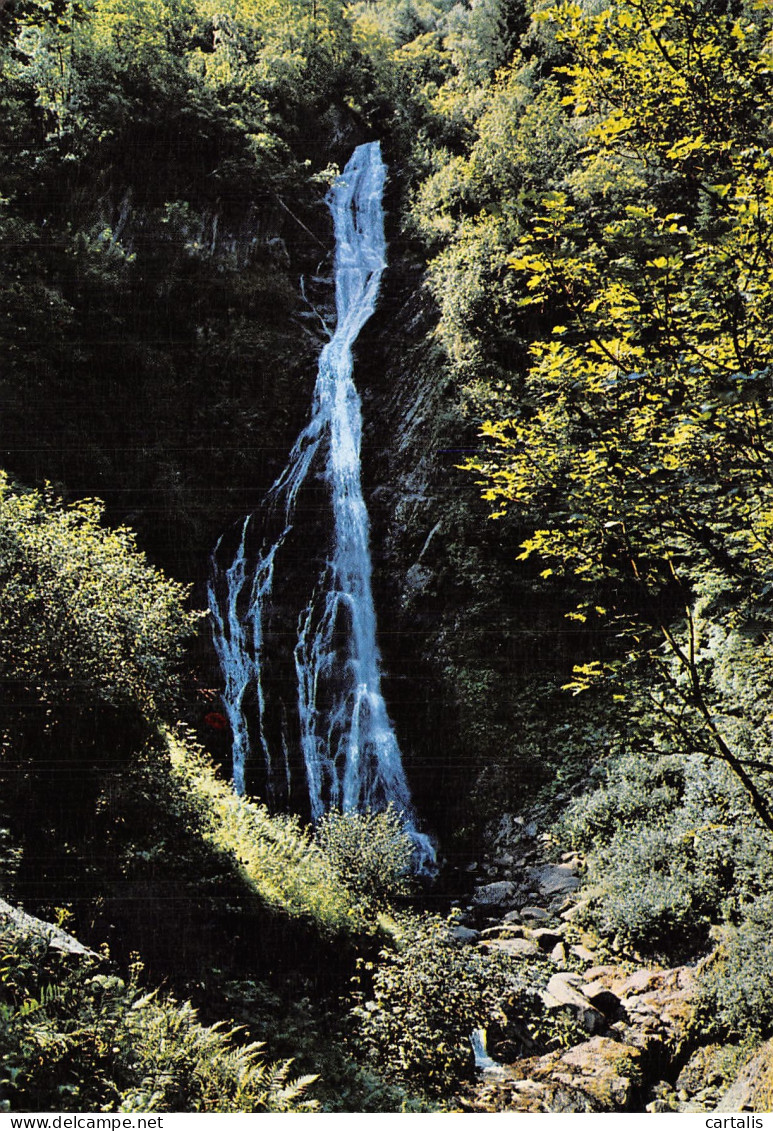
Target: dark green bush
652,892
414,1020
672,849
627,789
75,1036
737,986
84,618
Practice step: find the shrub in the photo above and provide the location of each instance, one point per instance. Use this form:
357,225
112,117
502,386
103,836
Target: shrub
737,987
369,852
414,1021
627,789
95,1041
672,849
83,617
651,892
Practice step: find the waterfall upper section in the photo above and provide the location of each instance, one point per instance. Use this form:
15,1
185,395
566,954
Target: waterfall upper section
293,616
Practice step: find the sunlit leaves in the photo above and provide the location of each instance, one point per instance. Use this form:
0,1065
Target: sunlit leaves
83,616
676,79
640,450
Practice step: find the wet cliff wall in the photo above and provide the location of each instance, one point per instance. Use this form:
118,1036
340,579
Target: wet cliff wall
475,646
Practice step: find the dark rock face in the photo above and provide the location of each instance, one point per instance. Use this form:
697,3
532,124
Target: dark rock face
555,879
435,622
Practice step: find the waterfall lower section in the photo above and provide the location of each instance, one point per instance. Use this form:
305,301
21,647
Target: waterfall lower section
332,709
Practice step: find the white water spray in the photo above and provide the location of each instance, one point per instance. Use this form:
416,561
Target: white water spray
483,1062
350,752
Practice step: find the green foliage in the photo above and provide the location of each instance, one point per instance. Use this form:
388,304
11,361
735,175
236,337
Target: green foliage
737,986
636,450
276,854
421,1002
628,790
370,853
181,1066
78,1037
154,852
672,850
83,616
316,1036
596,212
224,902
158,178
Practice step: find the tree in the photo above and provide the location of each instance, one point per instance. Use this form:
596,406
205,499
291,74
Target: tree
639,451
85,621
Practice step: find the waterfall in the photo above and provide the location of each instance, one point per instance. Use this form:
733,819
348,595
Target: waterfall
483,1062
350,753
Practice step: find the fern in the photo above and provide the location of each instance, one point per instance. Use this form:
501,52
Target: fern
183,1065
48,996
94,1041
277,855
30,1006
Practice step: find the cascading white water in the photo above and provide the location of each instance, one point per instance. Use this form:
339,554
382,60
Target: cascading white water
483,1062
351,756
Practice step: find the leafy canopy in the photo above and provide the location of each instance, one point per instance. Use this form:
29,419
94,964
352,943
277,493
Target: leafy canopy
83,616
639,450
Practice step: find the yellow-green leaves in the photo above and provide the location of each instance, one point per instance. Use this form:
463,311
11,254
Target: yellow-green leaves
640,452
83,616
645,419
585,677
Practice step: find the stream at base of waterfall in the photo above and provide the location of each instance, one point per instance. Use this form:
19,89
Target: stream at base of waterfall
349,749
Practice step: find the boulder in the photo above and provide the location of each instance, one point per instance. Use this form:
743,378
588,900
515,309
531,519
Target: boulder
752,1089
607,971
558,954
498,894
657,1004
536,914
638,1022
638,982
503,931
583,953
463,934
562,992
596,1076
605,1067
555,879
573,977
546,937
513,947
668,999
56,938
